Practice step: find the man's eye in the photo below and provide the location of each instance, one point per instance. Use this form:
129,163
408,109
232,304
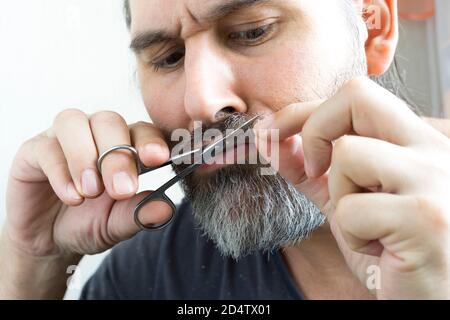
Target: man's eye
170,61
252,36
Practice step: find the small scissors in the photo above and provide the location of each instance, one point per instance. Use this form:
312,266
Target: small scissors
160,194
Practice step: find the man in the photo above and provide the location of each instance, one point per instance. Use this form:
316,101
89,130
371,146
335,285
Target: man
357,210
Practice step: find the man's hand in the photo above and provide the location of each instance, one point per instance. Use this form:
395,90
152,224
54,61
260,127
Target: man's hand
59,207
442,125
381,175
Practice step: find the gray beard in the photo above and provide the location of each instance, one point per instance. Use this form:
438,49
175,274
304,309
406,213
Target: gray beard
243,211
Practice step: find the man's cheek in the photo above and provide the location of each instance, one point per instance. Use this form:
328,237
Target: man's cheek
280,80
164,108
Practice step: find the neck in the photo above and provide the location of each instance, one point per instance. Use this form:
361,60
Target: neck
319,268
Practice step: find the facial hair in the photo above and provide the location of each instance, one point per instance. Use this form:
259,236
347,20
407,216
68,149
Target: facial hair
243,211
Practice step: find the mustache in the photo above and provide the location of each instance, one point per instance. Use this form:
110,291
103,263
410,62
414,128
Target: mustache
200,137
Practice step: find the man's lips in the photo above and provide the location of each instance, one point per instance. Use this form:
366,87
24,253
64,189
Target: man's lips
241,154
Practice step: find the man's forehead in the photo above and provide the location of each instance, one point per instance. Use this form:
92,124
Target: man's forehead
158,14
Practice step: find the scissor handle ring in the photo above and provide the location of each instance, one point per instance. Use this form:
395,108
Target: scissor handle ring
127,147
161,196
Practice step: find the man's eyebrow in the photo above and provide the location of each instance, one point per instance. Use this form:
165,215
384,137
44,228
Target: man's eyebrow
149,38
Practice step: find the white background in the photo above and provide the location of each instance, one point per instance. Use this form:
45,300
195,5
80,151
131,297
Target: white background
57,54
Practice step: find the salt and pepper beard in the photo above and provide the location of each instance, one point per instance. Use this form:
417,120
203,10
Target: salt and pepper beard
243,211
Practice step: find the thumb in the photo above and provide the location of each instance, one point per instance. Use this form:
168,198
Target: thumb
121,223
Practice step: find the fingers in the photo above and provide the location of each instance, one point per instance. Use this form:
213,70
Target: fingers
364,108
401,224
79,140
121,224
289,120
73,132
359,163
119,170
112,222
51,160
364,218
360,107
291,160
150,143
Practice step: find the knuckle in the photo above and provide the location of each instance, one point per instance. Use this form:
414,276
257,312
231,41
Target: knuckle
41,145
29,149
357,91
68,114
357,85
141,125
433,213
31,143
144,133
342,148
57,170
147,130
343,205
44,144
107,117
117,162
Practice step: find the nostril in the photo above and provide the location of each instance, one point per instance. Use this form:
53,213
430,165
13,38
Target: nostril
229,110
225,112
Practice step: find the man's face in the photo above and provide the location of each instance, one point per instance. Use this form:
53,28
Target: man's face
257,59
199,60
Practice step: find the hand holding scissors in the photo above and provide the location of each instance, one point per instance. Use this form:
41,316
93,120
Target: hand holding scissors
200,155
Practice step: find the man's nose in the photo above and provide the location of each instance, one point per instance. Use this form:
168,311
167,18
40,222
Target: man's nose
211,85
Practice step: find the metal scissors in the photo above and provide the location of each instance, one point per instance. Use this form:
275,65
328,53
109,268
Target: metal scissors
201,155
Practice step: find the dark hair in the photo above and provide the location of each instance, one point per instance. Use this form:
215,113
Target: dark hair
126,10
391,80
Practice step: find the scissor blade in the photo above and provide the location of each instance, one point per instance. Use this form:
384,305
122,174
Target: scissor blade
203,150
184,155
233,134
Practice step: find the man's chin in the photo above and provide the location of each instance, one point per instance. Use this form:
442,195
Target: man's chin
243,211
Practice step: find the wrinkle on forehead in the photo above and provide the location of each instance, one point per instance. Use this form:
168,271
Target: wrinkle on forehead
176,16
180,17
189,18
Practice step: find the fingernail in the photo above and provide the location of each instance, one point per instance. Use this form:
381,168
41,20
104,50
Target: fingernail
72,192
89,182
155,148
122,183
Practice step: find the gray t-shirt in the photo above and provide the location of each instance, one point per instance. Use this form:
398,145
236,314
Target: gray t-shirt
181,263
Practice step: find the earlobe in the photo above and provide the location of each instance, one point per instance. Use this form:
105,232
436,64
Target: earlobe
380,55
382,24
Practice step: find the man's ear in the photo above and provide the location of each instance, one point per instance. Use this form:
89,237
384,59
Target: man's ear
382,25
